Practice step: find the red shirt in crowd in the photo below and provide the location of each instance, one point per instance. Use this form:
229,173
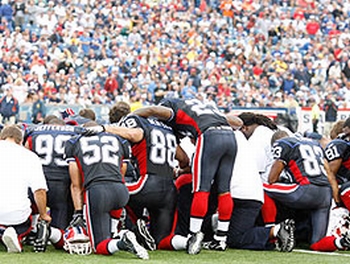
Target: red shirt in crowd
111,84
312,27
334,32
299,13
257,70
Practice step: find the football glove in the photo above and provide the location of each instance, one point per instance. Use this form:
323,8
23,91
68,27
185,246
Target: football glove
42,236
91,131
79,130
339,204
77,220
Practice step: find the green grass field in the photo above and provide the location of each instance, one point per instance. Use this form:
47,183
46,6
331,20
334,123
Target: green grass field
230,256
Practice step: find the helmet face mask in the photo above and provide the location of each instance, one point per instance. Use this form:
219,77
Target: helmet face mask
82,248
76,241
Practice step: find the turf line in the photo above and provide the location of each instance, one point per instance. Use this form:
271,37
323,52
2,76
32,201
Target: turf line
320,253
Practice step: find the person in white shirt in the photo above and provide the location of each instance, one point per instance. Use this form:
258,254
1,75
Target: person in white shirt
248,197
15,206
258,129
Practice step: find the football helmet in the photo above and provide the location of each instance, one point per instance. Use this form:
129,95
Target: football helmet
339,222
76,241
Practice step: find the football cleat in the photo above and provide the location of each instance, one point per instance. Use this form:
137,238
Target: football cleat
10,239
30,238
42,237
130,244
215,245
285,236
194,243
345,240
143,236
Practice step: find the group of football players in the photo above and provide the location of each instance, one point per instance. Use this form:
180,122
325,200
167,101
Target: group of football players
299,179
135,185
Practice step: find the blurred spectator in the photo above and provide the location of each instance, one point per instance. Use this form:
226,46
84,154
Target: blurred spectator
84,100
335,71
19,12
111,85
38,107
54,98
331,111
9,108
135,101
20,88
312,26
159,91
315,114
345,66
289,85
33,82
6,16
189,91
196,81
3,75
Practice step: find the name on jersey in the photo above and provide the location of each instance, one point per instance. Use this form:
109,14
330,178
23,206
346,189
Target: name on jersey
55,128
158,123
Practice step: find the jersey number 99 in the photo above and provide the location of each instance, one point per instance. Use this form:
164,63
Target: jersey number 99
51,148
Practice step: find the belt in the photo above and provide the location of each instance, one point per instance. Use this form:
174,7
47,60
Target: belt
219,128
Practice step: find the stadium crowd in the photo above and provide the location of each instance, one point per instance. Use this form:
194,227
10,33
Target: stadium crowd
229,53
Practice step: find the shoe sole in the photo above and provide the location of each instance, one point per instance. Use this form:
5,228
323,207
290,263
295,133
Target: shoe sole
150,244
10,243
137,249
290,227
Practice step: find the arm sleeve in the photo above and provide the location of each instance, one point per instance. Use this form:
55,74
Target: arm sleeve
69,151
126,147
335,150
280,151
132,121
